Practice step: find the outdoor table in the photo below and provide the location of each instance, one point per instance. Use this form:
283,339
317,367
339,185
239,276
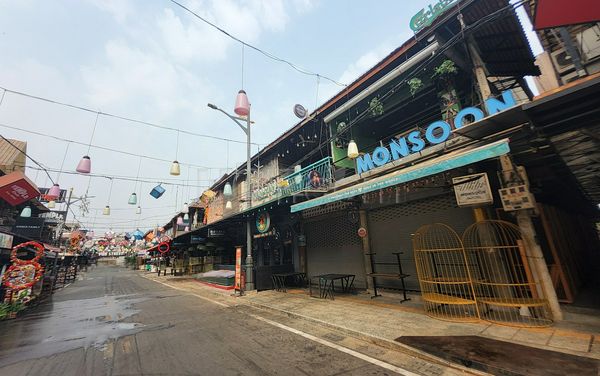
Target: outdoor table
279,279
326,283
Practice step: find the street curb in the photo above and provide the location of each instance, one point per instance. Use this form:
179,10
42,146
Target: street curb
382,342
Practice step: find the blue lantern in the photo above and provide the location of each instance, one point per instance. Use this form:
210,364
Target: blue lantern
157,191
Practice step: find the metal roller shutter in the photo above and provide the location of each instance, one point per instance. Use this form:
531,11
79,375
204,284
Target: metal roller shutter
391,230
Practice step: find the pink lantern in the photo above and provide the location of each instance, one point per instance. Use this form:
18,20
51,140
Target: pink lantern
180,220
54,191
85,165
187,228
242,107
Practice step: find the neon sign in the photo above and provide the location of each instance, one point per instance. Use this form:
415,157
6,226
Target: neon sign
437,132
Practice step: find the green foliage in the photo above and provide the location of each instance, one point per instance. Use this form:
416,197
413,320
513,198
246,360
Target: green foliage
376,107
415,84
445,69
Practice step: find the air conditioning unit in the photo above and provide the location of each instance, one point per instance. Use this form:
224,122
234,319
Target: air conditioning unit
562,61
589,42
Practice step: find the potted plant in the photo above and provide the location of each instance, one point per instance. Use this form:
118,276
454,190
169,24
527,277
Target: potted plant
414,85
444,75
375,107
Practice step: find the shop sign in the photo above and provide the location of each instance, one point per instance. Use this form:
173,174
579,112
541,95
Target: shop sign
29,227
263,222
195,239
16,188
472,190
272,232
426,16
238,269
214,233
6,240
437,132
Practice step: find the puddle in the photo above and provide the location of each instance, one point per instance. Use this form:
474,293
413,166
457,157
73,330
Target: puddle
56,327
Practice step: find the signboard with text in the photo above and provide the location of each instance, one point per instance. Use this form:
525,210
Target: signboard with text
16,188
238,269
472,190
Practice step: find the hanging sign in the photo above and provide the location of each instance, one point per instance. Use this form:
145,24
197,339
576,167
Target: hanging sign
437,132
16,188
263,222
472,190
362,232
426,16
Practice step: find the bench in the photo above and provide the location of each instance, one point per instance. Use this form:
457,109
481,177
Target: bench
400,275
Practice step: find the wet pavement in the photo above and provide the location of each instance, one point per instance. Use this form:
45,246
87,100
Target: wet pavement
115,322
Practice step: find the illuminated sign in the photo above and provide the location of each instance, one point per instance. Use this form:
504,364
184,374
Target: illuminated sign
426,16
437,132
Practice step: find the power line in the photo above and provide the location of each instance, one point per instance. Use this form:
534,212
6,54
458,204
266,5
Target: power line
104,147
265,53
141,122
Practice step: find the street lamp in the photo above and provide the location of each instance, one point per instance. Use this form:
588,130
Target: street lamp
242,108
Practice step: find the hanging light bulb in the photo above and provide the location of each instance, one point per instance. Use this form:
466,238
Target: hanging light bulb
175,170
132,199
227,191
51,204
352,150
106,210
228,205
85,165
185,209
180,220
54,191
242,107
26,212
186,217
138,210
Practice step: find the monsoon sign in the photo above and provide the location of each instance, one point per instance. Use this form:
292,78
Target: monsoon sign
436,133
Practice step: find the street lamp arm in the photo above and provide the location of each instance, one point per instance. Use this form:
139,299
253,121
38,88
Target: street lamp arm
234,118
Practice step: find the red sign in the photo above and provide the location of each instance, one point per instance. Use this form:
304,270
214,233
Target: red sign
16,188
238,268
554,13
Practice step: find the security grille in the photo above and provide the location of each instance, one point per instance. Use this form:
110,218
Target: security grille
331,232
326,209
413,208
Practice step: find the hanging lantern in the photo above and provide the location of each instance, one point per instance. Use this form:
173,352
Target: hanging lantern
352,150
138,210
106,210
179,220
157,191
54,191
175,170
26,212
242,107
228,205
51,204
186,229
186,217
132,199
185,209
85,165
227,191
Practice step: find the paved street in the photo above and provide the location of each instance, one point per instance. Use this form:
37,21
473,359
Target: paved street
116,322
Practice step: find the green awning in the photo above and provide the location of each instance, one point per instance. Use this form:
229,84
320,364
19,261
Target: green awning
434,166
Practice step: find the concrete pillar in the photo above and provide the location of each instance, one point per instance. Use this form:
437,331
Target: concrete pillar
366,248
535,256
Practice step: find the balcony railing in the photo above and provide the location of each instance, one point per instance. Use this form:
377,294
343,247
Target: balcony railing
314,177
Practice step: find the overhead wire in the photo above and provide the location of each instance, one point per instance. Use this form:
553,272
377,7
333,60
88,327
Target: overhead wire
263,52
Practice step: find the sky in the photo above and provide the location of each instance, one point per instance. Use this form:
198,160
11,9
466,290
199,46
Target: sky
152,61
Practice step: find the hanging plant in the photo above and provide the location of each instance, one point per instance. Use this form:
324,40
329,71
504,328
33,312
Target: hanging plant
376,107
444,70
415,84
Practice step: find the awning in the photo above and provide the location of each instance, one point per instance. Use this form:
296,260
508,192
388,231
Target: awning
434,166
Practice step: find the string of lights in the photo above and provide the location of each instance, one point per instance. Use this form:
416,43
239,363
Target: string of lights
125,118
263,52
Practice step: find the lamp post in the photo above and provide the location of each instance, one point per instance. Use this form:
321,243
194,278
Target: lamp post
242,108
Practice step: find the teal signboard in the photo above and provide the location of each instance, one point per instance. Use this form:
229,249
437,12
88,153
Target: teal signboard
436,133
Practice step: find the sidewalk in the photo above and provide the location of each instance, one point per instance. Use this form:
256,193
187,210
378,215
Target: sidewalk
383,319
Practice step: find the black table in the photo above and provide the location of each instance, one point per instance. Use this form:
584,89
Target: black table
326,283
280,278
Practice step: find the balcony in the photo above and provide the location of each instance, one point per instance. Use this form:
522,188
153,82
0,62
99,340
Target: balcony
316,177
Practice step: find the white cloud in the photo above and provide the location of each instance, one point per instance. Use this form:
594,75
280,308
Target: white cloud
119,9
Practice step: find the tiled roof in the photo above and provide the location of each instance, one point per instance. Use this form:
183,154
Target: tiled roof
9,156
